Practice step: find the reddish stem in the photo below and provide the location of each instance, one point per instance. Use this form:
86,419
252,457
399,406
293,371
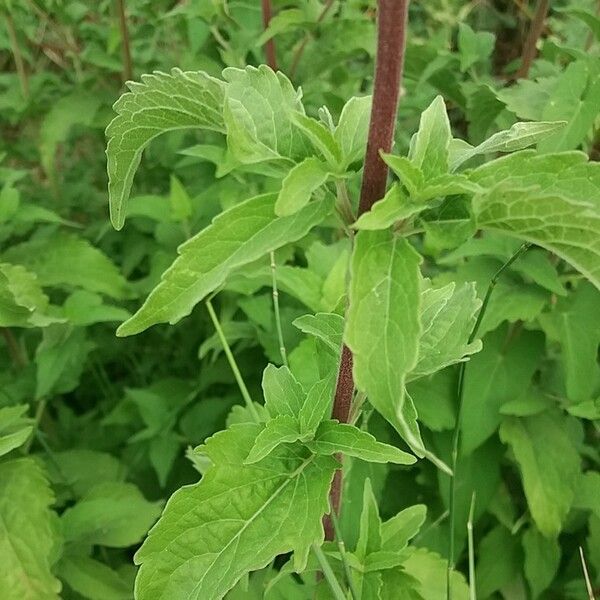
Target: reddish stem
127,62
270,45
392,19
535,31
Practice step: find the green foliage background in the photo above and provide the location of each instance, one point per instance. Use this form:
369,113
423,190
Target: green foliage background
97,432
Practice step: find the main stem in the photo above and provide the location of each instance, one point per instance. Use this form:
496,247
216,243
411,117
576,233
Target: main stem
392,16
270,45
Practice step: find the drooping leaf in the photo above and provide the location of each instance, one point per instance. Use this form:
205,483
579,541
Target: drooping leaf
549,471
160,103
236,237
15,427
27,533
237,519
332,437
299,185
383,327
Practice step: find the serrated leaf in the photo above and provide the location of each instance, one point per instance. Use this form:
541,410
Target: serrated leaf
332,437
448,315
257,111
161,103
93,579
278,430
27,534
352,130
114,514
69,261
15,427
236,520
429,147
549,471
328,327
542,557
382,327
235,238
299,185
283,394
401,528
550,200
317,405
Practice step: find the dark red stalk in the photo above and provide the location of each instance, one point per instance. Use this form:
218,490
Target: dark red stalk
535,31
392,19
127,63
270,45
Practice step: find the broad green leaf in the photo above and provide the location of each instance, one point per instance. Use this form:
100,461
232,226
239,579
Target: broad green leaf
528,98
181,204
93,579
448,315
327,327
257,113
575,323
550,200
549,471
587,492
299,185
15,427
235,238
317,405
69,261
160,103
114,514
410,175
352,129
542,557
280,430
320,137
283,394
449,184
473,47
27,532
383,327
332,437
519,136
84,308
429,146
236,520
495,376
401,528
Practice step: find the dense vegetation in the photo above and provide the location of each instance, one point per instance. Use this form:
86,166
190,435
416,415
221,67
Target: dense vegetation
434,328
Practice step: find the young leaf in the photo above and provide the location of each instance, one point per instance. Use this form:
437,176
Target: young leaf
473,47
299,185
369,538
429,147
410,175
283,394
235,238
317,405
279,430
28,532
352,129
393,207
159,104
327,327
333,437
236,520
320,137
549,471
401,528
383,327
15,428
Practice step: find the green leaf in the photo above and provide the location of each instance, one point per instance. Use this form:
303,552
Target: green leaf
429,147
69,261
181,204
448,315
15,428
410,176
352,130
235,238
328,327
587,492
317,405
383,327
236,520
27,532
542,557
85,308
279,430
549,471
114,514
257,112
159,104
283,394
320,137
519,136
369,538
473,47
549,200
332,437
299,185
401,528
93,579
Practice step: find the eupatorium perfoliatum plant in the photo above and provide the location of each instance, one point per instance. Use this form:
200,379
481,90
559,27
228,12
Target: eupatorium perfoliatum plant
384,324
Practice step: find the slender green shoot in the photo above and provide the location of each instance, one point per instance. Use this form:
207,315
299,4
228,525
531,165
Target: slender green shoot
472,584
586,576
342,548
328,573
282,350
232,363
460,393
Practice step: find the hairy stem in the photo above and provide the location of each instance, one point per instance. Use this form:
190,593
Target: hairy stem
127,64
535,31
460,394
270,51
392,18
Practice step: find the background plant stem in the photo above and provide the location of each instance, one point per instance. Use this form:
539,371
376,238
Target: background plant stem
127,64
14,46
535,31
270,45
